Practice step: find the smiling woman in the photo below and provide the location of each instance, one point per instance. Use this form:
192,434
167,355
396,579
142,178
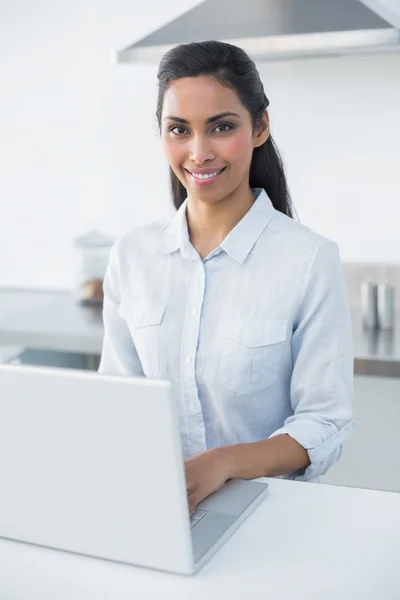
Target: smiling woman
237,134
241,307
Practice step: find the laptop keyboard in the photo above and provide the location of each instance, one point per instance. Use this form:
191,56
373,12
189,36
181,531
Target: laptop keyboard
197,516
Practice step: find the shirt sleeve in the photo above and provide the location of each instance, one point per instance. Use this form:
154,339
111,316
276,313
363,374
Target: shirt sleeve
119,355
322,378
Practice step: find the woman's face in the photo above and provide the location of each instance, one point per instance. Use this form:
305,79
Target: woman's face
208,137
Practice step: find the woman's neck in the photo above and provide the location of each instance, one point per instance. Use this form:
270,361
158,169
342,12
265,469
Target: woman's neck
209,223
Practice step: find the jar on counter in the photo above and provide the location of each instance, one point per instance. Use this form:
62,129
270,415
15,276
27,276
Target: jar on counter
92,250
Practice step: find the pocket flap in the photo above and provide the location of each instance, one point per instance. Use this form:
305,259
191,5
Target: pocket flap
145,314
257,331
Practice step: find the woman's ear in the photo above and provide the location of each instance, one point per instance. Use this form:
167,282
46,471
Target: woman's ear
261,133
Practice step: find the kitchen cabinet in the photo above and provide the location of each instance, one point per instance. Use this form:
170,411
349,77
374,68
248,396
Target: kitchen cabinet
371,454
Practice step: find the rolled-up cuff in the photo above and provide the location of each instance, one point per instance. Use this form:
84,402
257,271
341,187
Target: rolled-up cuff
323,445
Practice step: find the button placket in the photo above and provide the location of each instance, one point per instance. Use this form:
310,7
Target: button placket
195,422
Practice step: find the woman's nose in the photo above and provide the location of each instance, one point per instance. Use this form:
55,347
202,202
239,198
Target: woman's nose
201,150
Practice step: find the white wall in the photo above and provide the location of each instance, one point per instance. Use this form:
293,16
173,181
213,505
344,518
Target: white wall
78,142
79,145
337,122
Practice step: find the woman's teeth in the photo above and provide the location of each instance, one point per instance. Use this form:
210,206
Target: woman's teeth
205,175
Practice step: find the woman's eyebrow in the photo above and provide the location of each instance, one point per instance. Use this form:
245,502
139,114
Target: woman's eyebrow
178,119
209,120
222,115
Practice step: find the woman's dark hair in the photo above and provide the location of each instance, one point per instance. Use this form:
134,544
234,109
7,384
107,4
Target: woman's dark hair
232,67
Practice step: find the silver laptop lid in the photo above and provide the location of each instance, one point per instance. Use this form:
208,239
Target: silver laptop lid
92,464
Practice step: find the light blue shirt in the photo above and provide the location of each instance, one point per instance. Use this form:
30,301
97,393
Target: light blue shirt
256,337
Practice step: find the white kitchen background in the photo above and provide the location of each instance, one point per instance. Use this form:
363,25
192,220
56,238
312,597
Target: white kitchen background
79,148
79,143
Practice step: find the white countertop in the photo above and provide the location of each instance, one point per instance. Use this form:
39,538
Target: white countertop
304,542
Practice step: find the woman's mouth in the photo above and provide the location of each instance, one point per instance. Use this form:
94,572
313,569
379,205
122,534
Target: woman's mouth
205,176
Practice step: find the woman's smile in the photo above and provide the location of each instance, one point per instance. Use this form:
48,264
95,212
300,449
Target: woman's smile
204,176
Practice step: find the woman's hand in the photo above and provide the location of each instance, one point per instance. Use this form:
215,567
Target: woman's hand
208,471
205,474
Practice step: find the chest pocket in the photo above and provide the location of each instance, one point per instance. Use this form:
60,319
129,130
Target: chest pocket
144,321
252,353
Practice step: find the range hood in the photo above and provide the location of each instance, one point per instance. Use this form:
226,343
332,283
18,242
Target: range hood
272,29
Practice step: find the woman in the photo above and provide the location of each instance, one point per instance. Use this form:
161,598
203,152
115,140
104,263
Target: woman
243,308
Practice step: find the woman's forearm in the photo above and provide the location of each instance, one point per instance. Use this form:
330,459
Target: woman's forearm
207,471
280,455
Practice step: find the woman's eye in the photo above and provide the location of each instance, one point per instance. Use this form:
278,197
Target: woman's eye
177,130
223,128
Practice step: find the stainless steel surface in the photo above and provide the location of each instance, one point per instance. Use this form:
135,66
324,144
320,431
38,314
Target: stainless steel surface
369,304
386,306
54,321
273,28
387,9
376,352
357,272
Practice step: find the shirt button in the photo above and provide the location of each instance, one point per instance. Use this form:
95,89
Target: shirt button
191,405
188,359
194,311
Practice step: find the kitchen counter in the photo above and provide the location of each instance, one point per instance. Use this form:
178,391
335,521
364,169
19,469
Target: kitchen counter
54,321
49,320
376,352
305,541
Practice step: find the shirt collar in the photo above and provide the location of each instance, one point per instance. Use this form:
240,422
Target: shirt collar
176,235
238,243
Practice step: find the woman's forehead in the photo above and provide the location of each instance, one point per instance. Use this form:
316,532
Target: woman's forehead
199,97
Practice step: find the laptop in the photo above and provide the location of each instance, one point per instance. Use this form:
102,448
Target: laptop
93,464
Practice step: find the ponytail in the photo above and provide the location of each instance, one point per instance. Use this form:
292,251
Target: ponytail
267,172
